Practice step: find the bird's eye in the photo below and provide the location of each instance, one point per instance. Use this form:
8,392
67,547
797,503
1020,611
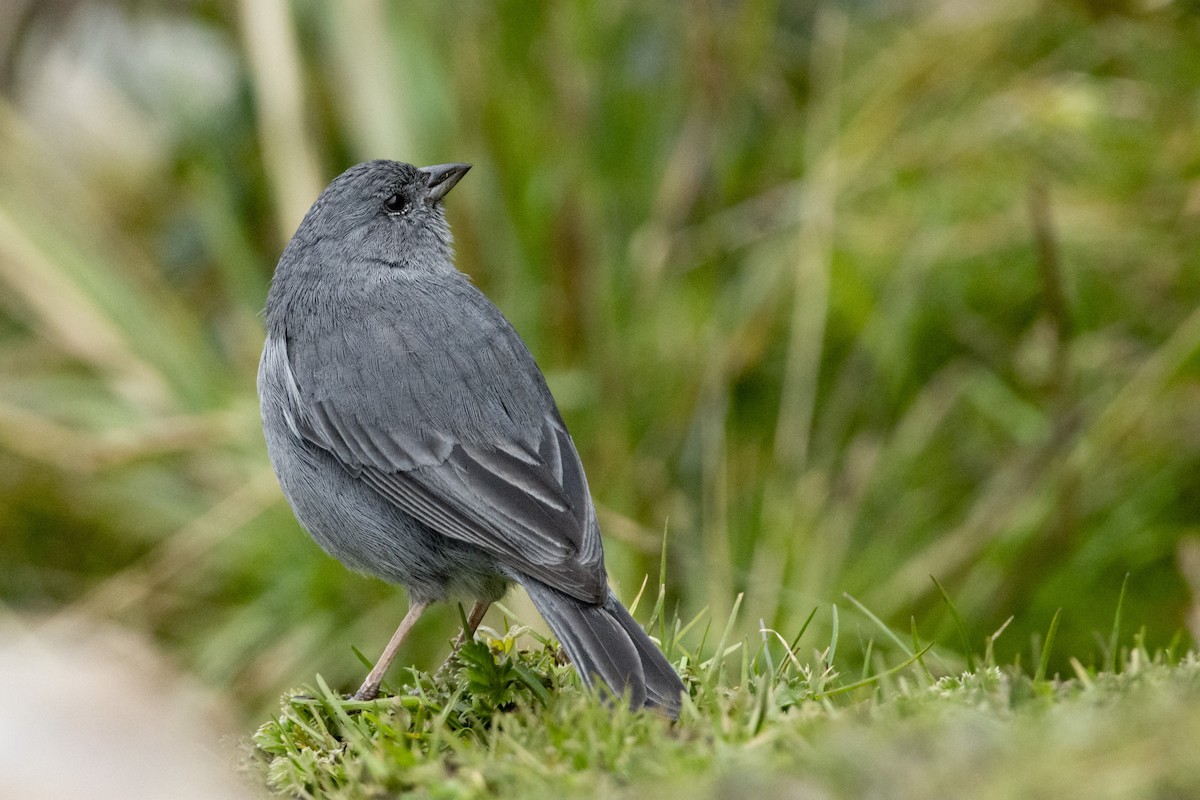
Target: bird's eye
396,204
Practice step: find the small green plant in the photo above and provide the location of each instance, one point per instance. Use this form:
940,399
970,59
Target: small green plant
496,674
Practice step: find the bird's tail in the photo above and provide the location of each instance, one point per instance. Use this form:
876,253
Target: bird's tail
604,641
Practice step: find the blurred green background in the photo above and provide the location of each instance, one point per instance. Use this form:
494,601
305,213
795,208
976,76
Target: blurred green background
839,296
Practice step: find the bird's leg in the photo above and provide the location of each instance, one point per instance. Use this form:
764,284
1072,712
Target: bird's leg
370,688
477,611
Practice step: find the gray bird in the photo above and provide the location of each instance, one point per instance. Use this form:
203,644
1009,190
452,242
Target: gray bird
414,435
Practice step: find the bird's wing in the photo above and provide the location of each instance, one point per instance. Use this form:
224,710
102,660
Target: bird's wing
443,412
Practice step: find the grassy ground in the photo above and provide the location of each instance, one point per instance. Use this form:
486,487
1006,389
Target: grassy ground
514,722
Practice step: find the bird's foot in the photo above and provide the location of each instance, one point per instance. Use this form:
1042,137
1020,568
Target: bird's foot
366,692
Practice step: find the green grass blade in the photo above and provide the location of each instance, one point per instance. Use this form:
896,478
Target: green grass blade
959,627
1044,661
879,623
1114,638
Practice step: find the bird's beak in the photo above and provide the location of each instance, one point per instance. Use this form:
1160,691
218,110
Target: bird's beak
442,178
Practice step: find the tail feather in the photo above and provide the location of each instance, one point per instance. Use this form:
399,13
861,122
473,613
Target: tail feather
604,641
663,686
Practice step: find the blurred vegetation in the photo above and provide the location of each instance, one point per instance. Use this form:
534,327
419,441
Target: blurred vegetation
840,298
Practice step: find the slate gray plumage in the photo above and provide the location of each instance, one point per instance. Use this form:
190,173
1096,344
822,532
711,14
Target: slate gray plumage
414,435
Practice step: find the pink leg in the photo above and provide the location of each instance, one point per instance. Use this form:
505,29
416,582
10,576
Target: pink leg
370,688
476,616
477,611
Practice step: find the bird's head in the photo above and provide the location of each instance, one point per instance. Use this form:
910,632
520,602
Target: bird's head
386,212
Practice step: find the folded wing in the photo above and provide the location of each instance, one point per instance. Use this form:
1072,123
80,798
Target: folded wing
466,438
